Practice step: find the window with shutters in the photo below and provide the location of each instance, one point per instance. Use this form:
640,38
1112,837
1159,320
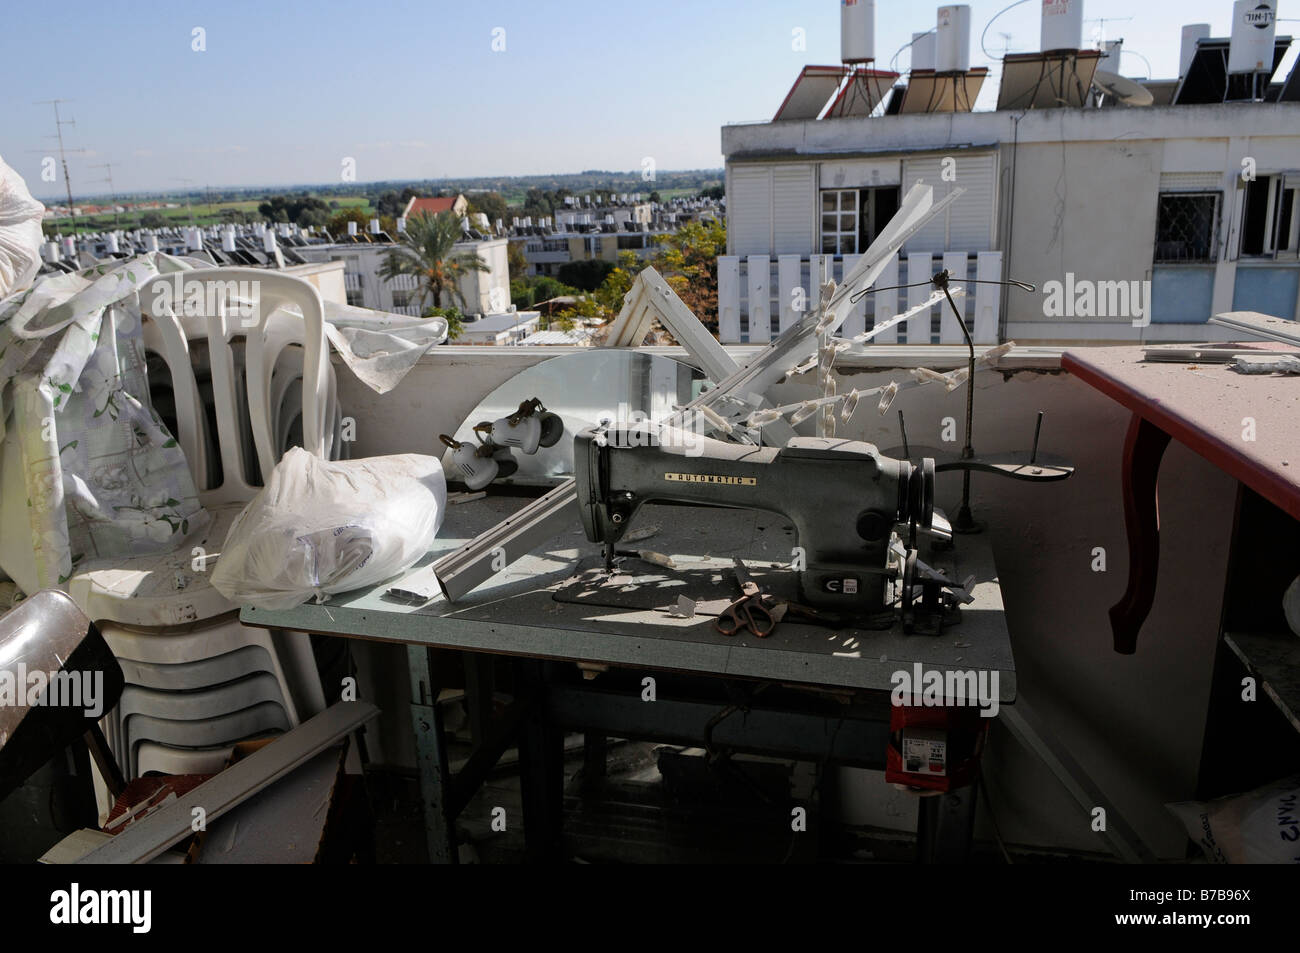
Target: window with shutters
852,218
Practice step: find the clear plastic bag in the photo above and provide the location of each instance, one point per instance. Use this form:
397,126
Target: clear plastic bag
1258,827
319,527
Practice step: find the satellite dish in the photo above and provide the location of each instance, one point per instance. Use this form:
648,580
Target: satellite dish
1123,90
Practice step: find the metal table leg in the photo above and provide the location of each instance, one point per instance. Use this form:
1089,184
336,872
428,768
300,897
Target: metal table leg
479,689
945,824
431,758
541,768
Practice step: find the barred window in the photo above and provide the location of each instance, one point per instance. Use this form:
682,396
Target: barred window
1187,224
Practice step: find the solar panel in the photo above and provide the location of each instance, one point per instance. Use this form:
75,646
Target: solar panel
896,100
1208,80
810,93
931,92
865,90
1291,88
1047,80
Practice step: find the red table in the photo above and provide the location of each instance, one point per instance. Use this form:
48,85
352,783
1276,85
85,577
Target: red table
1247,425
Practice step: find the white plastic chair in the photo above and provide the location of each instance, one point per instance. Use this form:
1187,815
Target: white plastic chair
162,589
153,758
255,721
181,677
138,601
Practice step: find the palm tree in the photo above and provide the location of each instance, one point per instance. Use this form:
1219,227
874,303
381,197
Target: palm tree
425,251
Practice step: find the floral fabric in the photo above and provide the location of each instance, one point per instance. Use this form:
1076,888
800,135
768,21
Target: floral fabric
87,469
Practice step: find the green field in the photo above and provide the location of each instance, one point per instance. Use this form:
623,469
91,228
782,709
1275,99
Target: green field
199,213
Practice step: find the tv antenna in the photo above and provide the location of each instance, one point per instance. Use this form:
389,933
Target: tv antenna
1101,30
59,123
111,191
188,208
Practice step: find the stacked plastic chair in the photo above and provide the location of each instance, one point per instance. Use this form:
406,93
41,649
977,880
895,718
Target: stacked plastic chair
198,681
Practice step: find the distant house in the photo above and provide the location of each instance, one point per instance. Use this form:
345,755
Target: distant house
436,206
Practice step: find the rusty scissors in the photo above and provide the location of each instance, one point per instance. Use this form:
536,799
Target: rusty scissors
750,611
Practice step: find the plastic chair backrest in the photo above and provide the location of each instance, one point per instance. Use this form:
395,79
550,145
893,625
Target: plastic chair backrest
234,302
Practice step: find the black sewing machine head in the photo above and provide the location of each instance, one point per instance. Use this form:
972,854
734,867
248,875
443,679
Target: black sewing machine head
843,496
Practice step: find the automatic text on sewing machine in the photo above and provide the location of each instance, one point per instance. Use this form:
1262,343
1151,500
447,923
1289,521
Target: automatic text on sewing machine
62,689
710,478
946,689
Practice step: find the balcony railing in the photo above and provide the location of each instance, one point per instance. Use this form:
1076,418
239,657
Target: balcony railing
758,296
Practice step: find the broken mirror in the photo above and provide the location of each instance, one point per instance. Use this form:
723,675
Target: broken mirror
583,389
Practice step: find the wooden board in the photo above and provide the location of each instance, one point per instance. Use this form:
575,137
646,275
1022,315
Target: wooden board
1211,409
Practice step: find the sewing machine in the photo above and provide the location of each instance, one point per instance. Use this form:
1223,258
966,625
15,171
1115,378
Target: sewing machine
843,496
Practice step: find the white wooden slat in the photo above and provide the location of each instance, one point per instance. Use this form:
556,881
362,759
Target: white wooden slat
886,302
988,298
920,268
856,322
819,272
760,305
954,262
789,272
729,299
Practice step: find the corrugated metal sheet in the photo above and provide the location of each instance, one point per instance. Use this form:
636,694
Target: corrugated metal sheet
968,224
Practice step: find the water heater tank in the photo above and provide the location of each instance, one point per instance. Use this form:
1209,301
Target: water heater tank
857,31
923,50
1062,25
1254,25
1192,33
952,39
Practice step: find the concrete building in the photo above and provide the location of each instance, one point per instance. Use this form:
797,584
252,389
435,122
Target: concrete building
1134,223
485,292
584,232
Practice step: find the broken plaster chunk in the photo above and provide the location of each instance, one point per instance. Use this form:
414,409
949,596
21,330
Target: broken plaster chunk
683,609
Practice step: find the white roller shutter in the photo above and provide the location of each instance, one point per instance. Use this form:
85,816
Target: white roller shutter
968,224
749,210
793,199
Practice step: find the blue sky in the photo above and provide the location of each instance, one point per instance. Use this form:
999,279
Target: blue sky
285,90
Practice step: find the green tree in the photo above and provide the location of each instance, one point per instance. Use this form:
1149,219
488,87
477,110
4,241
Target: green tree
153,220
491,204
516,261
688,260
426,251
455,320
585,274
337,224
618,282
